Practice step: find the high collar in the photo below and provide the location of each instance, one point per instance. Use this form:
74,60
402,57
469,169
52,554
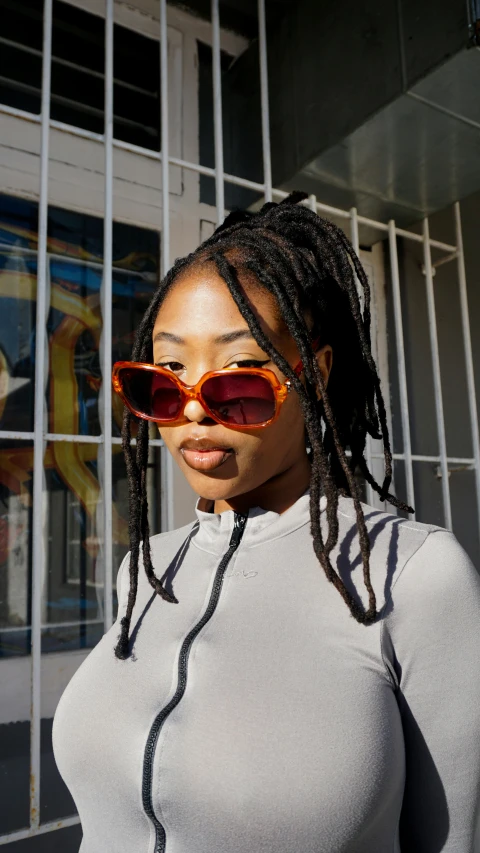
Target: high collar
215,528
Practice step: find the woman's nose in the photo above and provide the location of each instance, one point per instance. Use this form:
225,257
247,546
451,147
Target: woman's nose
194,411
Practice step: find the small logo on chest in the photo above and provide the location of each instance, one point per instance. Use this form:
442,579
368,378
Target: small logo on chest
241,574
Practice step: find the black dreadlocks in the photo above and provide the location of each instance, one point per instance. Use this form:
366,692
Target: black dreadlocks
309,266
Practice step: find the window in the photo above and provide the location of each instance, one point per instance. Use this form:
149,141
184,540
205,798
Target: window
77,83
73,603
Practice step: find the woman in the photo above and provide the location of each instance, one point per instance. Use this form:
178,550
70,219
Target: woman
305,675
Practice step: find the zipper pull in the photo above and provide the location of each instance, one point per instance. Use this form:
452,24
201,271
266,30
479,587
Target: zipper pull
239,522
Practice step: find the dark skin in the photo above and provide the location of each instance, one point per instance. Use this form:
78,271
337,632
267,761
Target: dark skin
266,467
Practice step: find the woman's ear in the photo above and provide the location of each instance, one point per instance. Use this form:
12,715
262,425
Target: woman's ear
325,360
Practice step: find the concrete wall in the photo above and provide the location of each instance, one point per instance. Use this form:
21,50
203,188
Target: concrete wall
424,437
334,65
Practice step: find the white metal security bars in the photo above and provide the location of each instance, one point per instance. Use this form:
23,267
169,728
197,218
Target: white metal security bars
39,435
38,555
166,461
106,409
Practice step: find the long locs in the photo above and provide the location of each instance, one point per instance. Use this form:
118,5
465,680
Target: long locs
303,261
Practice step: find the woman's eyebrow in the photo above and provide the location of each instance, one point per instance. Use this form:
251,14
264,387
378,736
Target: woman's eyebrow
230,337
168,336
226,338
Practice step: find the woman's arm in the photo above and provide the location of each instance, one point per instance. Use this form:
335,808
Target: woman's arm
432,633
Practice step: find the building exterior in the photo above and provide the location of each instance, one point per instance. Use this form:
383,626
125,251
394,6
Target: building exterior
126,131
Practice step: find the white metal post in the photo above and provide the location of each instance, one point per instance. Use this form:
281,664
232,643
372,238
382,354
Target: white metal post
467,343
166,463
165,237
262,43
217,114
107,318
368,444
437,383
38,549
402,373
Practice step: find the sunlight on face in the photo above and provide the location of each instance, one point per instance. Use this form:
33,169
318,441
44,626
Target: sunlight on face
198,329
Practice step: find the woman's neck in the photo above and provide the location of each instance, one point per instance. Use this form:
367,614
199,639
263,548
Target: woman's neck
277,494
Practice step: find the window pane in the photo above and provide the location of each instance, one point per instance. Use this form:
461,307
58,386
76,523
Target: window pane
120,504
75,320
135,279
20,68
72,29
74,328
239,108
73,594
75,245
22,22
18,287
16,464
77,74
72,609
78,52
16,461
77,97
78,59
136,94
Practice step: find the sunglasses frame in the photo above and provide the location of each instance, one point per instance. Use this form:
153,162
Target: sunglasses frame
194,392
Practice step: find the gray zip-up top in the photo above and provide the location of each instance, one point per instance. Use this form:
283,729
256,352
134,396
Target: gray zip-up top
257,716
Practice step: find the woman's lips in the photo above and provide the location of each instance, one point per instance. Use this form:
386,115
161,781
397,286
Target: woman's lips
206,460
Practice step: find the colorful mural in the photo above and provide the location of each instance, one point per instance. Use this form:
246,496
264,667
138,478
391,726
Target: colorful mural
73,392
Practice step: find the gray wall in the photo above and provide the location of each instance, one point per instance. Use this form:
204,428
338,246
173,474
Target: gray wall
334,65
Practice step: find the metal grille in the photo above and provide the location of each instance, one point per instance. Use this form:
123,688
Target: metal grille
352,221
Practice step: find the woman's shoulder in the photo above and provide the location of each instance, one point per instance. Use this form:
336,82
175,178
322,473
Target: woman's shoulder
164,548
172,539
377,519
428,605
409,560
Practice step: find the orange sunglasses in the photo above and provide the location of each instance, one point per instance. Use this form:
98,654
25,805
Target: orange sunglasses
239,397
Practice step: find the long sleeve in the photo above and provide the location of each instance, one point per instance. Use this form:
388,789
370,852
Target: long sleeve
432,638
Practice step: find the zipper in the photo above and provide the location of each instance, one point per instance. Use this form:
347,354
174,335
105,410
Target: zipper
237,533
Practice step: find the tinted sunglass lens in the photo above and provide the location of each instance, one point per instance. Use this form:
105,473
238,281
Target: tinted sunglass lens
154,395
240,399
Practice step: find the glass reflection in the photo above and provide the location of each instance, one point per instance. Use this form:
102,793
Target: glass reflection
72,616
18,289
74,325
73,595
120,503
16,462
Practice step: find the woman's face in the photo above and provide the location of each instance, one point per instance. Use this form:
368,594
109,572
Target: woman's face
199,328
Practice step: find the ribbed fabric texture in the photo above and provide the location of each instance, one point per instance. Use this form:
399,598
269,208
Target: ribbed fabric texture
300,731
